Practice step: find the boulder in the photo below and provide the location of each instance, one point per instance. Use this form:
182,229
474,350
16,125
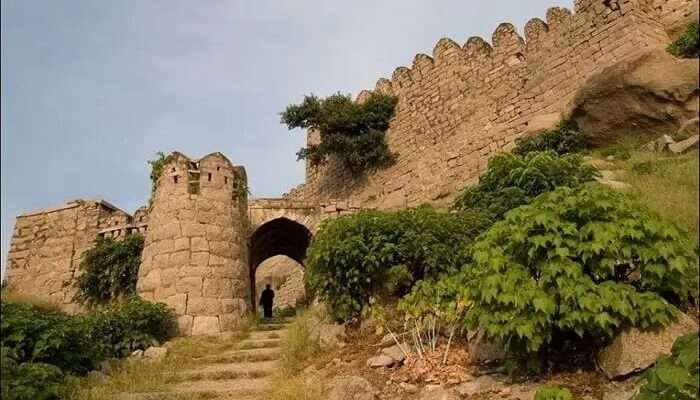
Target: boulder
386,341
482,350
350,388
155,353
137,354
684,145
330,335
659,144
433,392
690,128
398,353
645,96
634,350
380,361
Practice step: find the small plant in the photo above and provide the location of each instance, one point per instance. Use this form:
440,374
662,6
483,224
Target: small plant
582,261
566,138
643,168
157,165
512,180
109,270
240,187
675,376
353,132
297,345
618,152
688,45
381,254
30,381
553,393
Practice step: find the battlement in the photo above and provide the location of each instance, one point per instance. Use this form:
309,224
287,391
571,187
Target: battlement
464,103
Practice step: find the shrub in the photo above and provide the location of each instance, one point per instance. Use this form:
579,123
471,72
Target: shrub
373,253
582,261
30,334
566,138
157,165
30,380
126,326
553,393
688,45
109,270
297,345
675,376
512,180
353,132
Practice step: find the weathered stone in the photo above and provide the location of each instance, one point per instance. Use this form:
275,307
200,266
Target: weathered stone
208,326
659,144
184,324
480,385
189,285
683,146
177,302
155,353
350,388
482,350
203,306
330,336
634,350
398,353
380,361
433,392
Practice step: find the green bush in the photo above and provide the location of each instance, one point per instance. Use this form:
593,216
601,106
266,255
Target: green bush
675,376
157,165
126,326
512,180
353,132
688,45
583,261
553,393
566,138
373,253
30,380
109,270
30,334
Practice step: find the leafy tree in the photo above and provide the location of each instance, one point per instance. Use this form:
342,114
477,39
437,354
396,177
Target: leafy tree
566,138
675,376
109,270
512,180
688,45
374,253
584,260
353,132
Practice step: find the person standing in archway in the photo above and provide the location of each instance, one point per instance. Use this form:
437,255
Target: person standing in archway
266,300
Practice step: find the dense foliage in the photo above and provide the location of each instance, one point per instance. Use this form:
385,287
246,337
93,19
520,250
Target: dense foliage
675,376
351,131
512,180
376,253
109,270
583,261
40,347
688,45
553,393
565,139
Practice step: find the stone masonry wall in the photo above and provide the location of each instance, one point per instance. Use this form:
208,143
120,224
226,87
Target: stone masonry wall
47,245
195,259
286,277
465,103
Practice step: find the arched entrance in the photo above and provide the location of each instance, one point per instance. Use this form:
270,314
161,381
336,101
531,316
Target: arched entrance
280,236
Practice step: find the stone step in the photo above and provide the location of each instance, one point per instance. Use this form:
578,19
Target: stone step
271,327
259,369
260,335
258,344
249,355
238,389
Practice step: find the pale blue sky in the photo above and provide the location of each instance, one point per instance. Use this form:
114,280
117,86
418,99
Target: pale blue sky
91,89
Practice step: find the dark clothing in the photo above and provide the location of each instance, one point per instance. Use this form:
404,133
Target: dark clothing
266,302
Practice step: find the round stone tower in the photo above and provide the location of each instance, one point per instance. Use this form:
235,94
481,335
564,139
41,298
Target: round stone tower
195,257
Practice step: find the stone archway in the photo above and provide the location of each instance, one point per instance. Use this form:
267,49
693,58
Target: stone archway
278,236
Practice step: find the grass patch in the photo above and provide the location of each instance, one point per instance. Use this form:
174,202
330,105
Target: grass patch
34,301
666,184
293,387
296,344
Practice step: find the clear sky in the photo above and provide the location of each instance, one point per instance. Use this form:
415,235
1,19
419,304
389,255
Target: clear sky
91,89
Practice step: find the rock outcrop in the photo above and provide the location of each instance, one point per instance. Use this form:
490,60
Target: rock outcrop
645,96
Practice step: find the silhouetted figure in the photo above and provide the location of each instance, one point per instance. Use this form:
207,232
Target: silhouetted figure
266,299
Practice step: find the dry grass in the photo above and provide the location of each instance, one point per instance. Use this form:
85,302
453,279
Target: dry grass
293,387
40,303
137,376
668,185
297,346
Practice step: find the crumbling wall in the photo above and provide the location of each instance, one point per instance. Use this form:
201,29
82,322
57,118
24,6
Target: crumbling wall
463,104
46,248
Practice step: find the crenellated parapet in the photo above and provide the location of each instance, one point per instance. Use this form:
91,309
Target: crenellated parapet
466,102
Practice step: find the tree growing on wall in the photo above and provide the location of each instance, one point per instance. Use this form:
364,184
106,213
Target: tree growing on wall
109,270
352,131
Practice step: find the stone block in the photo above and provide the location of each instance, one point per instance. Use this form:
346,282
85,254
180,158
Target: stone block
168,277
208,326
182,243
177,302
199,244
217,287
203,306
192,229
199,259
220,248
229,322
189,285
162,292
193,271
149,282
184,324
179,259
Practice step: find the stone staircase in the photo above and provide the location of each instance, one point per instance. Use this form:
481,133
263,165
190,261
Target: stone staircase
239,374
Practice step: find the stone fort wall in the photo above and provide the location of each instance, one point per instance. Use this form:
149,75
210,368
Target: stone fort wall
465,103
